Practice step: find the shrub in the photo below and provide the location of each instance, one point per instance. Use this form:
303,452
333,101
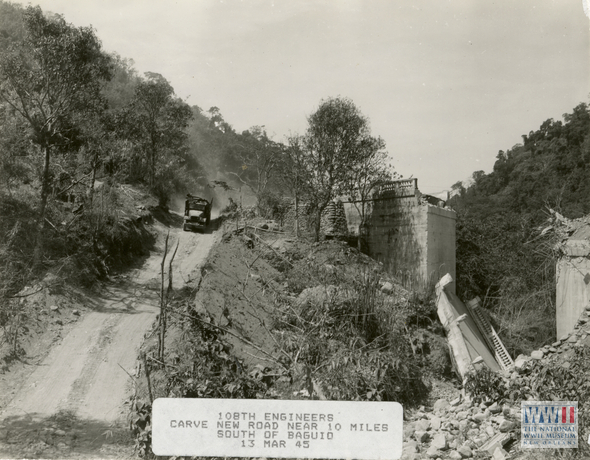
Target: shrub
485,385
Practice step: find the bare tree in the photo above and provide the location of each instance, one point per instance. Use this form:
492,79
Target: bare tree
365,176
293,172
260,157
165,295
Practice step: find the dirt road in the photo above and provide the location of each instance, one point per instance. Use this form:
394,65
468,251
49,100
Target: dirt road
75,397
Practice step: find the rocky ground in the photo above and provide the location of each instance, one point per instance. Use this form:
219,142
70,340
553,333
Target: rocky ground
461,428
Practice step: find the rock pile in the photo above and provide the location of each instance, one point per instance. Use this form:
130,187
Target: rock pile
461,429
563,347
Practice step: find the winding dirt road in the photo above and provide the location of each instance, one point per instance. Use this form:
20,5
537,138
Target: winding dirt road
75,397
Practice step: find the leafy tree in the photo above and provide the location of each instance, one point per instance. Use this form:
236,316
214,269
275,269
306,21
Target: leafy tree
337,139
12,27
51,79
156,122
15,162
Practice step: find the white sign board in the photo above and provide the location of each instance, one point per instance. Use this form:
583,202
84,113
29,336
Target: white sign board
277,428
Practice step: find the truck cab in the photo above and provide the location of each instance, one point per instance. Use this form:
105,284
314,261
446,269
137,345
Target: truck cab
197,213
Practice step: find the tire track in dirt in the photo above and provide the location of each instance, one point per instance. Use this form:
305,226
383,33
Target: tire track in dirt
82,376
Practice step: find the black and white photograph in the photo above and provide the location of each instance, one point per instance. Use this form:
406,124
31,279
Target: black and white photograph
307,229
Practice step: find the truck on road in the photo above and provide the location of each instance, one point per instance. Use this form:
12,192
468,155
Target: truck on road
197,213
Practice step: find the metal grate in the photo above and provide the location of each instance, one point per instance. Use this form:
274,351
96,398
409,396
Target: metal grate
490,335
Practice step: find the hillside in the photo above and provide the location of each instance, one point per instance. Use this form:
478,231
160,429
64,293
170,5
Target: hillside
501,256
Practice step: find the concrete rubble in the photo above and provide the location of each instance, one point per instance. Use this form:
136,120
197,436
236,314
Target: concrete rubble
487,430
459,431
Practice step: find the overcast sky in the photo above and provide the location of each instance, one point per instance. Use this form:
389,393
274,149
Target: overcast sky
445,83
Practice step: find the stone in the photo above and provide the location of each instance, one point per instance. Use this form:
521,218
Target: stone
452,424
520,361
433,452
60,432
411,445
556,344
465,451
422,425
456,401
409,430
454,455
506,410
472,433
537,354
479,418
496,408
54,308
439,442
498,419
409,450
463,425
500,454
409,455
76,312
435,423
506,426
422,436
441,404
462,415
552,349
573,338
471,444
490,431
480,440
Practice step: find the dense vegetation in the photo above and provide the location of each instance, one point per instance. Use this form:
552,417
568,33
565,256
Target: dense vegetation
500,254
75,125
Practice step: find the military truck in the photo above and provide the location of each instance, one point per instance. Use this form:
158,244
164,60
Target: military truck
197,213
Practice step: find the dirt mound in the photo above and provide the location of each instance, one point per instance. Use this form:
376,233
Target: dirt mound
234,295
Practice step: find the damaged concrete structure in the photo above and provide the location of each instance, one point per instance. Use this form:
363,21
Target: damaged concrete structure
573,277
472,340
412,234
